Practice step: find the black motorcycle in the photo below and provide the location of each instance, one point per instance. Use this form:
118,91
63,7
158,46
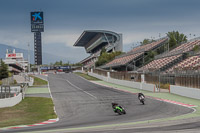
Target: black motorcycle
142,99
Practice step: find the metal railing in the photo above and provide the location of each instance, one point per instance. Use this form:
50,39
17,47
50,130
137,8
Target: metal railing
7,91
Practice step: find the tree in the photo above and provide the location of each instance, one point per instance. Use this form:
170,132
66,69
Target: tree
196,48
58,63
175,38
3,70
103,50
61,63
146,41
106,57
149,56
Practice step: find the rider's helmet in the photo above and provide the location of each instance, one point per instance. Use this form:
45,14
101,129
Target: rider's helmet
114,104
139,94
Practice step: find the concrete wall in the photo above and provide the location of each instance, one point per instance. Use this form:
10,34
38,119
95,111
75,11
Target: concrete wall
30,83
179,90
137,85
9,102
185,91
148,87
98,76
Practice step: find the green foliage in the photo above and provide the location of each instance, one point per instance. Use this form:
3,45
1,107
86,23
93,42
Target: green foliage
103,50
3,70
106,57
196,48
146,41
160,50
10,74
150,56
58,63
175,38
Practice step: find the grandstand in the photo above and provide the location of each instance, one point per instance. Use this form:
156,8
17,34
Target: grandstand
191,63
175,59
179,66
15,61
94,40
134,57
14,66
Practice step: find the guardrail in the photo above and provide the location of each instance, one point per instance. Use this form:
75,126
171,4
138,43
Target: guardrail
12,95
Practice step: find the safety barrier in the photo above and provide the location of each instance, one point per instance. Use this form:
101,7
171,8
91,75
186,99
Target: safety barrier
179,90
9,102
12,95
185,91
132,84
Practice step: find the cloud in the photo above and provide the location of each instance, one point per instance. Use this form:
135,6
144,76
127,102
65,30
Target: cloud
71,53
17,39
138,36
67,38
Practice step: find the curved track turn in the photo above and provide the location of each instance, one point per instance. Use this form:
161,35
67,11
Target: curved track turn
80,103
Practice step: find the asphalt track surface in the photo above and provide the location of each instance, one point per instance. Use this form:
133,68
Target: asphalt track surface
80,103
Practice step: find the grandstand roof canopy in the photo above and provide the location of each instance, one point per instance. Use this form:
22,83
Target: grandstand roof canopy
88,35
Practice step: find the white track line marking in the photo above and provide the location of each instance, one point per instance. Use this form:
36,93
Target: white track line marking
81,90
54,108
50,91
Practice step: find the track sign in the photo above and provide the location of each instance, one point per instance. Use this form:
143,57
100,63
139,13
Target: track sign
37,18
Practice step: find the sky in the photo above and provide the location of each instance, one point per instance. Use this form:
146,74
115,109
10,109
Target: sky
65,20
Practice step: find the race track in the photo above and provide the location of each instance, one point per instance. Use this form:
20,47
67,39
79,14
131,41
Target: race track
80,103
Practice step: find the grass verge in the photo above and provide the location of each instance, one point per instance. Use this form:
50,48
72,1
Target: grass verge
30,111
38,81
0,82
86,76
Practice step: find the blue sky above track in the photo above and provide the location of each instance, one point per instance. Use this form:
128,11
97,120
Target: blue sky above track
65,20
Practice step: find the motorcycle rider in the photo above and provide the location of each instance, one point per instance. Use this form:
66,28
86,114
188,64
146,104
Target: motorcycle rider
140,96
115,106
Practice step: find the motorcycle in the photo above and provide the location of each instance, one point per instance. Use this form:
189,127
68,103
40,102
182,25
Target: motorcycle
141,98
120,110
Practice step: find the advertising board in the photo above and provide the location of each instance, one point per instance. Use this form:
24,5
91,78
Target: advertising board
37,17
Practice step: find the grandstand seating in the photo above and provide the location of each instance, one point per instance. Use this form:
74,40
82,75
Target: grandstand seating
122,60
147,47
187,46
90,61
134,54
181,49
160,63
89,65
173,57
192,62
